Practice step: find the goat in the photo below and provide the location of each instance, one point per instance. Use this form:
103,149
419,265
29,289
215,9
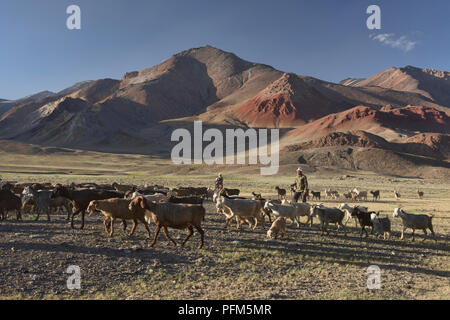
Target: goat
361,195
278,227
41,199
396,195
60,202
157,197
266,211
347,195
244,208
122,188
209,194
315,195
292,189
415,221
256,196
293,212
229,217
221,193
81,198
348,210
381,226
328,215
281,193
8,202
334,195
231,192
364,220
117,208
172,215
186,200
328,193
420,194
375,194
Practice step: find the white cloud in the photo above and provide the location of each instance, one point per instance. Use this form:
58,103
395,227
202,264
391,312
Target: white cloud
403,42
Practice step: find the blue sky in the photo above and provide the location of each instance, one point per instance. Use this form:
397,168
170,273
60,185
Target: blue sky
326,39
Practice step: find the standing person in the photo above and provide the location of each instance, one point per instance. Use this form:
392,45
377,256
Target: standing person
301,186
219,182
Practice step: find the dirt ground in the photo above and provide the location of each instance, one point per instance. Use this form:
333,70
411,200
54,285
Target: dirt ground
232,265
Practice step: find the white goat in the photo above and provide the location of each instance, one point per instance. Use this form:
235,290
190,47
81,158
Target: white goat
327,216
414,221
290,211
381,226
244,208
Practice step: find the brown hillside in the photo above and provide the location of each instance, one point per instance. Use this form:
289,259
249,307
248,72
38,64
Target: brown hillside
383,122
433,84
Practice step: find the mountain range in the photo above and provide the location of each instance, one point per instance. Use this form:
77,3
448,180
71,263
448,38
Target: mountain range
136,114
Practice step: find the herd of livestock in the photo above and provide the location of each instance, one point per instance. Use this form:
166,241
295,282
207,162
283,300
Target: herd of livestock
182,208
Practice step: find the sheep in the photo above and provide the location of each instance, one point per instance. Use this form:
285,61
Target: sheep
381,226
244,208
396,195
172,215
281,192
278,227
8,202
117,208
293,212
348,210
420,194
364,220
328,215
315,195
415,221
375,194
81,198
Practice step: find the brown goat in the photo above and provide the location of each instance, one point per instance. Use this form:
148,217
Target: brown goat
117,208
172,215
278,227
8,202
